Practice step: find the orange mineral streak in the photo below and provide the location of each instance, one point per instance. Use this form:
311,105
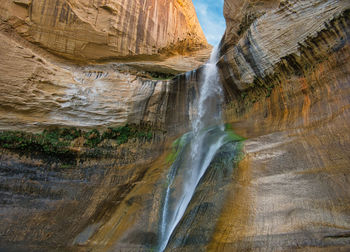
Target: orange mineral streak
297,156
234,222
307,101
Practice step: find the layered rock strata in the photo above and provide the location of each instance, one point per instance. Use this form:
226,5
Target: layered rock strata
290,100
43,85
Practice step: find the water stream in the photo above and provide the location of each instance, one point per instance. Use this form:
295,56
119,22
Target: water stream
201,145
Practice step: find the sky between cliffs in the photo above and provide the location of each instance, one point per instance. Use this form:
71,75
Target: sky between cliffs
211,18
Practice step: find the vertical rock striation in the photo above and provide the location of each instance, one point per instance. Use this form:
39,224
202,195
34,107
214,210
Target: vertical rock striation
94,30
39,89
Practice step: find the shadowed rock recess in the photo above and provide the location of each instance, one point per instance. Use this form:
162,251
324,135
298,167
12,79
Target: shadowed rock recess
104,82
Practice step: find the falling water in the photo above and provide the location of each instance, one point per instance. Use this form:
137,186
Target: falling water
203,143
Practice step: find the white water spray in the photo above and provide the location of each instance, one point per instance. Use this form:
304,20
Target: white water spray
187,172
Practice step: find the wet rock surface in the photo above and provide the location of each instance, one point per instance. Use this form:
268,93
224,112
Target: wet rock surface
197,226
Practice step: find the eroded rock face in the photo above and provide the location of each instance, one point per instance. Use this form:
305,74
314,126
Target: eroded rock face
286,76
93,30
49,203
268,36
39,90
148,40
289,97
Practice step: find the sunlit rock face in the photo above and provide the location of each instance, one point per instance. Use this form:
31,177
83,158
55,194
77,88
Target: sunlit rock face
268,36
92,30
37,94
42,94
286,72
40,90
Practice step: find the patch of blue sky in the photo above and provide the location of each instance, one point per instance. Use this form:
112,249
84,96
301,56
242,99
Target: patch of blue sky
211,18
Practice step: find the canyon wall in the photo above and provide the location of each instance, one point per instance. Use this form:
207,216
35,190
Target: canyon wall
37,93
286,72
95,30
42,84
56,203
86,65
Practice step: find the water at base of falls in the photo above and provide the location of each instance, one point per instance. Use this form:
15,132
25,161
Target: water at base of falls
199,149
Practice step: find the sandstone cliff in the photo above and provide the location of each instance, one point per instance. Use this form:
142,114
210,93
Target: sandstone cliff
48,79
52,75
37,91
286,74
93,30
149,41
285,70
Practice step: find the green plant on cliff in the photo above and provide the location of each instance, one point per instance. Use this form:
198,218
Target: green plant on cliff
231,135
160,75
93,138
49,142
59,141
269,91
124,133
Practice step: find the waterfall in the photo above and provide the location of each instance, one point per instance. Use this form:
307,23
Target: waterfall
210,96
203,142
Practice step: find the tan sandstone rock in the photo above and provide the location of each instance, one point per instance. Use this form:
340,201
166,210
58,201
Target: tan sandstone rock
35,93
41,88
94,30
